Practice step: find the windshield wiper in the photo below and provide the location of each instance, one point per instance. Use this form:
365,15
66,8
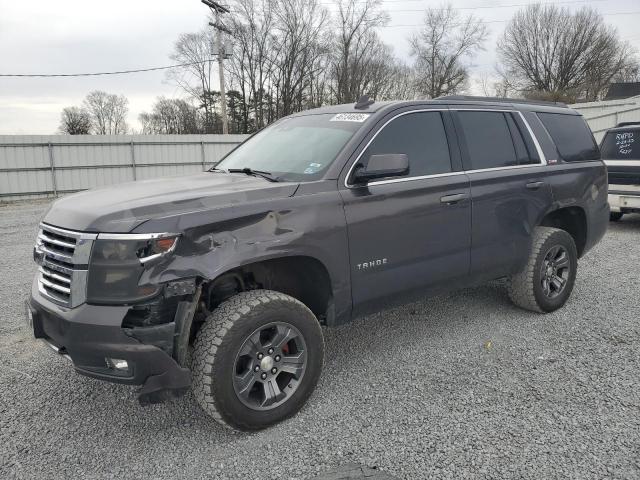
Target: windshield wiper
255,173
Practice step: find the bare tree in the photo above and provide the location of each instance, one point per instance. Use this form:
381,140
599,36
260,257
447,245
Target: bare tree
75,121
550,52
290,55
194,77
441,48
172,116
630,72
253,24
108,112
299,25
356,47
492,86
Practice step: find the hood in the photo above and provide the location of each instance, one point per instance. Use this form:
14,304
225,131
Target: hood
120,208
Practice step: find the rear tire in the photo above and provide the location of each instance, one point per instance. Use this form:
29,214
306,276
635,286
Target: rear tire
615,216
257,359
547,280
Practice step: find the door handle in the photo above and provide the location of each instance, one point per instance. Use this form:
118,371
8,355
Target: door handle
452,199
534,185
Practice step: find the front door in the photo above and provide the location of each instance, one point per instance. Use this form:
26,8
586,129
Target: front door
410,233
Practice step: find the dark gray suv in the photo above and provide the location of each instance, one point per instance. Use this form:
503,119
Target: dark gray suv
220,281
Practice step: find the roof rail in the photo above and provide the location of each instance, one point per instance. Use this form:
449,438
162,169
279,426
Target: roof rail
472,98
626,124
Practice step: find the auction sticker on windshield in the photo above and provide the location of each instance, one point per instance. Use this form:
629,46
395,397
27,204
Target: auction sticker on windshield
350,117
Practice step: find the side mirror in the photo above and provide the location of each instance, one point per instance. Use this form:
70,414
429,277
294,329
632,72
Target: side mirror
382,166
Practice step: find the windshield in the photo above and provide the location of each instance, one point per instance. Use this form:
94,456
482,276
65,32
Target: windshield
296,149
621,145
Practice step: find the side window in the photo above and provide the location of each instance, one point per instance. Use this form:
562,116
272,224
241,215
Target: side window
488,139
571,135
421,136
518,142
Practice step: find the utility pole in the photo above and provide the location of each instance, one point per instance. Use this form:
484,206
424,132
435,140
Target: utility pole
219,10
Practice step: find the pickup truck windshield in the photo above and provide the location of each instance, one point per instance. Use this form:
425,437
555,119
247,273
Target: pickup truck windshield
298,149
621,145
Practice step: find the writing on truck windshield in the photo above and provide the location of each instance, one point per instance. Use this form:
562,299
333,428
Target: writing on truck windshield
621,145
297,148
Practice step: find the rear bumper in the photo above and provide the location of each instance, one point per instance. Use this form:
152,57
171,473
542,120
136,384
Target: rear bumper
624,198
91,334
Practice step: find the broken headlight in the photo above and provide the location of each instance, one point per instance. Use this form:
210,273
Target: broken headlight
117,262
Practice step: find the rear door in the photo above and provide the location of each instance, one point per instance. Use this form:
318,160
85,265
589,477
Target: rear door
408,234
509,192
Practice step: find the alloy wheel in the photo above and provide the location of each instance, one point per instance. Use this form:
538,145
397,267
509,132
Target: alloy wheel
269,366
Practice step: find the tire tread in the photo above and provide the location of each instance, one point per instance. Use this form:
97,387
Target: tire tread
211,336
520,286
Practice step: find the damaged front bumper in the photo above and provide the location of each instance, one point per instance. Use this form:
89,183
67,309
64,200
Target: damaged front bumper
93,338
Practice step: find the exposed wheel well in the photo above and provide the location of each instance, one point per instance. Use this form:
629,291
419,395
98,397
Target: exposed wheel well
303,278
572,220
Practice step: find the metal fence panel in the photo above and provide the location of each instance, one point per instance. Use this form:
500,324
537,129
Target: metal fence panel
34,166
606,114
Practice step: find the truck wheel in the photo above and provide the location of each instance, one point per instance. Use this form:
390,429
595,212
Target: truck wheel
615,216
257,359
547,280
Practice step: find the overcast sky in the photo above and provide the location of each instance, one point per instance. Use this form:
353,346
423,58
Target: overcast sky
75,36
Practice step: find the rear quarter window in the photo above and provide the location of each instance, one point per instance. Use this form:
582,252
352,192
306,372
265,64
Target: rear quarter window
621,145
574,141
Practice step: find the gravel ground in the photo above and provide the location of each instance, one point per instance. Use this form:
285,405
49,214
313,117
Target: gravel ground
463,385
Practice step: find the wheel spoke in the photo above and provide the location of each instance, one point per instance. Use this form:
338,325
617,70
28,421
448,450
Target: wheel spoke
272,392
545,287
551,254
557,282
562,261
283,335
244,383
252,345
293,364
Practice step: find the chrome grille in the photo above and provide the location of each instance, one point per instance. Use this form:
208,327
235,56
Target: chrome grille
63,257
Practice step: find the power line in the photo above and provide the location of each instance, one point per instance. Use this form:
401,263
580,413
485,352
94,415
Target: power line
496,21
95,74
513,5
490,7
151,69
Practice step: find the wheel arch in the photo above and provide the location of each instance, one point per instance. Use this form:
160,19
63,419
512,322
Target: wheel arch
572,220
302,277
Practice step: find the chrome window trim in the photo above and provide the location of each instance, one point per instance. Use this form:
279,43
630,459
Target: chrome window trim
409,179
543,158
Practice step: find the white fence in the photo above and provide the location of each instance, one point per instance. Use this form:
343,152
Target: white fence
603,115
34,166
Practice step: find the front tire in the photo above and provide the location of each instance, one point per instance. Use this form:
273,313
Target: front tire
257,359
615,216
546,282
